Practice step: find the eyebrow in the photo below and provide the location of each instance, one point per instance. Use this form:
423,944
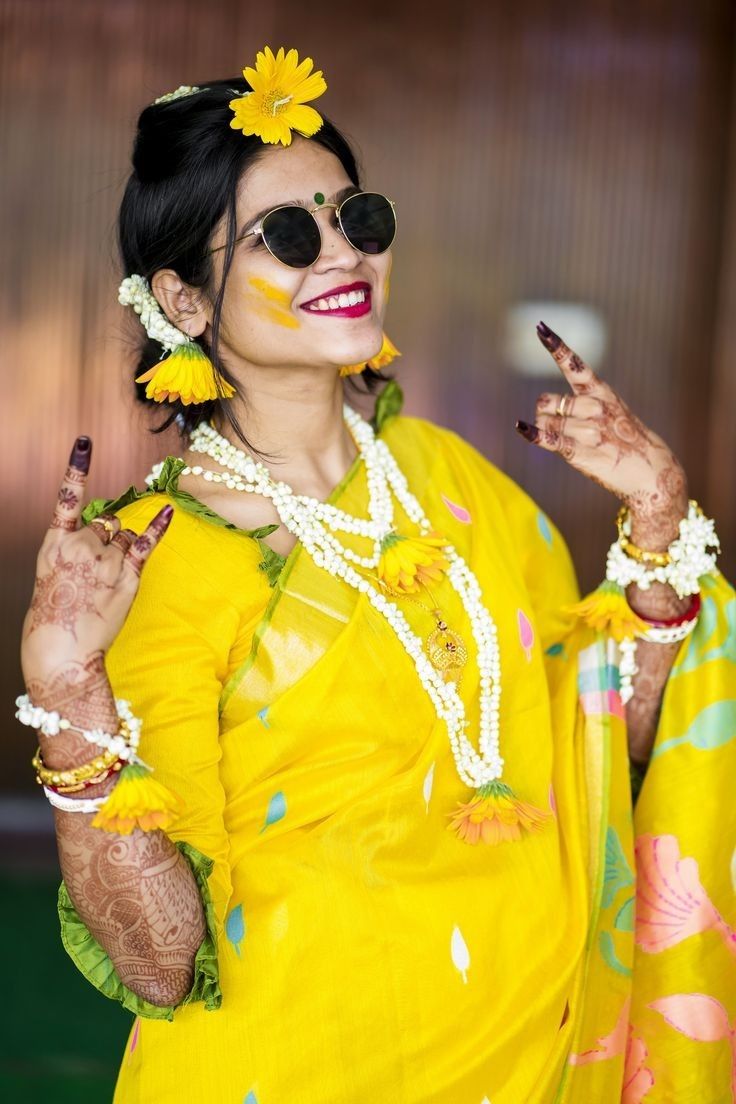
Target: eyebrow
337,197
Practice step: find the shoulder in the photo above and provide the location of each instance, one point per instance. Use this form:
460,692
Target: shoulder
205,555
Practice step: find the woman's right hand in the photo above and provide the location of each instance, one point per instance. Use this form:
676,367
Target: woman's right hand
86,577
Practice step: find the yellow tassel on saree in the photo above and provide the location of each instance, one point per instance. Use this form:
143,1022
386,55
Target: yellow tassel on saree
365,952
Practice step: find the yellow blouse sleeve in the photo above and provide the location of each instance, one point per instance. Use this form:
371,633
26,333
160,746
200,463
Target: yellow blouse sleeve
200,590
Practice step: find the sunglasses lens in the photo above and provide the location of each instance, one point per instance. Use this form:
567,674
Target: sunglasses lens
368,222
292,235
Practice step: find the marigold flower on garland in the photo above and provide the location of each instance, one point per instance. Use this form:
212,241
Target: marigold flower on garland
495,815
408,563
137,801
276,106
607,611
383,357
186,374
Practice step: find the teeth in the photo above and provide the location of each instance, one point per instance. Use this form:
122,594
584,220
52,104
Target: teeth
335,302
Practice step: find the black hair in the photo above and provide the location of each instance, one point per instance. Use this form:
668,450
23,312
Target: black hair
187,164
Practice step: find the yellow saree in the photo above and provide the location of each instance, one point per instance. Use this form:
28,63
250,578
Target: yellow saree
364,952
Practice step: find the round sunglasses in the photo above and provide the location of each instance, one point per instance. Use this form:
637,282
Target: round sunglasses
292,234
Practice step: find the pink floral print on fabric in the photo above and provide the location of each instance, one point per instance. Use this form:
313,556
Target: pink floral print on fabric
607,1046
671,904
458,512
638,1078
701,1018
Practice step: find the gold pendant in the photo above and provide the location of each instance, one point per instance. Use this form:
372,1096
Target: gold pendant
446,650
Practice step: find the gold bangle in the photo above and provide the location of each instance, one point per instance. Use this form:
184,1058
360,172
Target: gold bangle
655,559
86,774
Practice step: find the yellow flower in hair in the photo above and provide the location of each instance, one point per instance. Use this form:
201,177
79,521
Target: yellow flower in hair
607,611
276,106
407,563
383,357
186,374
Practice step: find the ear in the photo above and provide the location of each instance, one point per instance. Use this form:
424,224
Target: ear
183,305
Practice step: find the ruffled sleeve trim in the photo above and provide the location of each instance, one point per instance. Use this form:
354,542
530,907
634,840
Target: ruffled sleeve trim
95,964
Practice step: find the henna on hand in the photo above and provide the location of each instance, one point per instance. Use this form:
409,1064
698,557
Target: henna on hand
138,897
599,435
66,593
80,691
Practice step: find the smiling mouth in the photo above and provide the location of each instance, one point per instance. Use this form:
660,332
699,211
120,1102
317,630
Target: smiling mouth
348,304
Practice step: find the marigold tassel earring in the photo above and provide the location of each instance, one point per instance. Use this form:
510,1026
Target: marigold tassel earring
383,357
187,373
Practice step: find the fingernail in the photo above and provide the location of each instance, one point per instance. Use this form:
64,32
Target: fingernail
530,432
167,512
80,454
547,336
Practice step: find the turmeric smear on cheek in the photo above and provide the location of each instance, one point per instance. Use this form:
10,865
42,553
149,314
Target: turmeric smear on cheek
271,302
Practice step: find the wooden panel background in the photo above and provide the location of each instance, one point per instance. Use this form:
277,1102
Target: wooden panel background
576,151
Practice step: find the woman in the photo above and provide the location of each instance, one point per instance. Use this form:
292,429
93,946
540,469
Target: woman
386,851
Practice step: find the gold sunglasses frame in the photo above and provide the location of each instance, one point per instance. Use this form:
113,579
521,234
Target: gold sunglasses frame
311,211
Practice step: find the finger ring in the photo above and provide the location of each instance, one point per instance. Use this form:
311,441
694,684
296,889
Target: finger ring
108,525
561,406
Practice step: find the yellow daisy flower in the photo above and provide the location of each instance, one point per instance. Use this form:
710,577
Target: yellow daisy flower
186,374
607,611
384,356
494,815
276,106
408,563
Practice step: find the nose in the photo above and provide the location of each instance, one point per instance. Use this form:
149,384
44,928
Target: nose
337,252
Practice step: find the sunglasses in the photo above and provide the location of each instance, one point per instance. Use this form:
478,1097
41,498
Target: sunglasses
292,234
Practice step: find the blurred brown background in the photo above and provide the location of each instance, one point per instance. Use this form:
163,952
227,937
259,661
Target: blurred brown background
568,153
575,158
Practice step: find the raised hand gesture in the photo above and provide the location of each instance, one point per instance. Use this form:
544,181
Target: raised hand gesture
594,430
86,577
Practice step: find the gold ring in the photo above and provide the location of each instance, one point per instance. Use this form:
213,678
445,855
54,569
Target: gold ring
561,406
109,527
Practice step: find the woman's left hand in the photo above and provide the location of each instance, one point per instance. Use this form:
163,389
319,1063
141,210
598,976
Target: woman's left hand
596,432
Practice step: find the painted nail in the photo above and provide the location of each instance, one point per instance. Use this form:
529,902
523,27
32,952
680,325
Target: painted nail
548,337
80,455
167,512
530,432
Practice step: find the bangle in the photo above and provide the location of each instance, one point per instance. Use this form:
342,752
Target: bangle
137,801
658,559
690,614
74,804
77,778
690,556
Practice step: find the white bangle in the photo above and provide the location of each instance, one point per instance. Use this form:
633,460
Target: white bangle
668,634
75,805
689,557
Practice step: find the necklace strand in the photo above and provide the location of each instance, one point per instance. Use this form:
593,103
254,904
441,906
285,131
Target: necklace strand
315,524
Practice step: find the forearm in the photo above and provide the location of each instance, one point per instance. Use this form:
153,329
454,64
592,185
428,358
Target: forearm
659,602
135,893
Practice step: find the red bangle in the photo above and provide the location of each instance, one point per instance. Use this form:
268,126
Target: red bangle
690,614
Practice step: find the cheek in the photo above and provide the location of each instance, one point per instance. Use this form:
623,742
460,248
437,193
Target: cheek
270,302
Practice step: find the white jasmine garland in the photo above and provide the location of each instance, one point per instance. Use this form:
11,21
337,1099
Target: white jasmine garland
316,524
689,554
51,724
135,292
